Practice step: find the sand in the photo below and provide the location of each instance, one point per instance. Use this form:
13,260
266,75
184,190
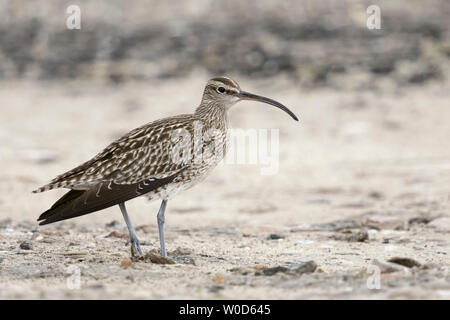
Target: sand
375,161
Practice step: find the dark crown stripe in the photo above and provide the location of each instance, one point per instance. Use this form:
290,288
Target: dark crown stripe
226,81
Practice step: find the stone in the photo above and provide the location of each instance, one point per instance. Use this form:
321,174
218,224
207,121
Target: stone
126,263
26,246
406,262
274,236
441,224
306,267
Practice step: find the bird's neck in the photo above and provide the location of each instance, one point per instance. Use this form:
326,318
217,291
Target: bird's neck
212,112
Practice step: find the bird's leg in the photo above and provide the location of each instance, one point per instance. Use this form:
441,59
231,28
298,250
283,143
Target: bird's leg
160,218
135,246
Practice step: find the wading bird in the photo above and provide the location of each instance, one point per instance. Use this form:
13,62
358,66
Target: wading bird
151,160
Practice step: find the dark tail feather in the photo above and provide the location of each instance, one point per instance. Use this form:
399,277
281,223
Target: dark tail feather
59,206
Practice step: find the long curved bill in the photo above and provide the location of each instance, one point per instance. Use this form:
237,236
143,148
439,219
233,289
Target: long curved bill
250,96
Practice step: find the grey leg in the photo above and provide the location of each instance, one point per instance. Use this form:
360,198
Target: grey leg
160,217
133,237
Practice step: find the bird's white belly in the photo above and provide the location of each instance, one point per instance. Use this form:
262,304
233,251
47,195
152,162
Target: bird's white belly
169,191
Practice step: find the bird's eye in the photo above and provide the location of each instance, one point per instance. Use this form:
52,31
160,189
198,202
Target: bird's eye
221,89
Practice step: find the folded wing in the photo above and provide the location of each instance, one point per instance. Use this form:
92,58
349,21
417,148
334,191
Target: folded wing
76,203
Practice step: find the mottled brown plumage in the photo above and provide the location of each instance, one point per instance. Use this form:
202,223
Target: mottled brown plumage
151,160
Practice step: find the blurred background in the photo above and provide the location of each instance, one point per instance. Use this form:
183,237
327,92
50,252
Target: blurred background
372,145
310,41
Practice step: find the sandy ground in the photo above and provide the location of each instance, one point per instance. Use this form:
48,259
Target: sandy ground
363,178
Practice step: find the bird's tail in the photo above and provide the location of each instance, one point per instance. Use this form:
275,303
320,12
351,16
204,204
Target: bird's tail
56,212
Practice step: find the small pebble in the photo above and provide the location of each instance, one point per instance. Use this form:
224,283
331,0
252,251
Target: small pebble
126,263
26,246
91,245
218,278
306,267
274,236
119,235
260,267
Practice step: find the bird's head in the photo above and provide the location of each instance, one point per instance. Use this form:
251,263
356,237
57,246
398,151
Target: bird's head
223,92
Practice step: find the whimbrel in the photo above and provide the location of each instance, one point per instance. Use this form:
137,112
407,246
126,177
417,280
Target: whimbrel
158,160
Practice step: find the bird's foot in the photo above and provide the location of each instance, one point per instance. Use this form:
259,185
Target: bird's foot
135,247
